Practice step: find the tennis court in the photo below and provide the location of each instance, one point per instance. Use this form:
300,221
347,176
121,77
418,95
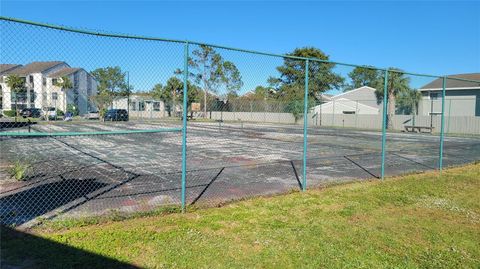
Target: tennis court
72,176
260,127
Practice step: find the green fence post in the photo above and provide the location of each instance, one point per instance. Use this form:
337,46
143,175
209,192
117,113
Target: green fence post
305,124
184,126
449,109
442,125
384,121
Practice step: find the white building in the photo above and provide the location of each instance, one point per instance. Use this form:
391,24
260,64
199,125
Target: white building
360,101
41,91
142,106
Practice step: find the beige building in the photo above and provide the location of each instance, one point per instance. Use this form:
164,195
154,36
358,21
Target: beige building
462,98
141,106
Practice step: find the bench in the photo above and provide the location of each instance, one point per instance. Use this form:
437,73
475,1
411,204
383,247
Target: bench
418,129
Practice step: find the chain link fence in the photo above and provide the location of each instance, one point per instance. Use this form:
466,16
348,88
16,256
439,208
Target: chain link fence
96,123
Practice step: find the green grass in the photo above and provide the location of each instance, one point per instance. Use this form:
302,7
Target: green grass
415,221
19,169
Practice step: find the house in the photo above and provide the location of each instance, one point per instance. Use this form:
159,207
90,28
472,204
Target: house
42,90
462,98
357,101
141,105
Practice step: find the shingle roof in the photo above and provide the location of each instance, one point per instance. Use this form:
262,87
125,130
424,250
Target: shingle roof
453,83
5,68
63,72
35,67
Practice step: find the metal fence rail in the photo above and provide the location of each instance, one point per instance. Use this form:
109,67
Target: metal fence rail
95,123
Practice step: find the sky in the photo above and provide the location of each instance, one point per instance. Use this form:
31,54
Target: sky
427,37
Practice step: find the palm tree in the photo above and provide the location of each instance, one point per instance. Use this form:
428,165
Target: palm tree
65,84
414,98
396,84
16,85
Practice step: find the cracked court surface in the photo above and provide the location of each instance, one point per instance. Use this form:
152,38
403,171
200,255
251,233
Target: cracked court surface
71,176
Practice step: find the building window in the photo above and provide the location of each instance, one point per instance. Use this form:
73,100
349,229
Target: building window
31,81
141,106
434,95
54,81
75,80
18,97
44,81
348,112
75,96
54,96
133,106
89,84
156,106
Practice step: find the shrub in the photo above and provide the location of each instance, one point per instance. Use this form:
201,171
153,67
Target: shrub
10,113
60,113
19,170
296,107
72,109
103,111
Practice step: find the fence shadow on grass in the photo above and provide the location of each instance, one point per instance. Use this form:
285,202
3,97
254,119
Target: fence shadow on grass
24,250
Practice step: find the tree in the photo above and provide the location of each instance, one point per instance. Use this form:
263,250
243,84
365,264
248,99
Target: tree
65,84
193,93
161,93
397,83
174,88
101,101
290,85
232,78
157,92
262,93
363,76
111,81
172,92
210,71
291,82
408,102
17,86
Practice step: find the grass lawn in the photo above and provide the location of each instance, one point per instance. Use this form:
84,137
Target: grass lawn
421,220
